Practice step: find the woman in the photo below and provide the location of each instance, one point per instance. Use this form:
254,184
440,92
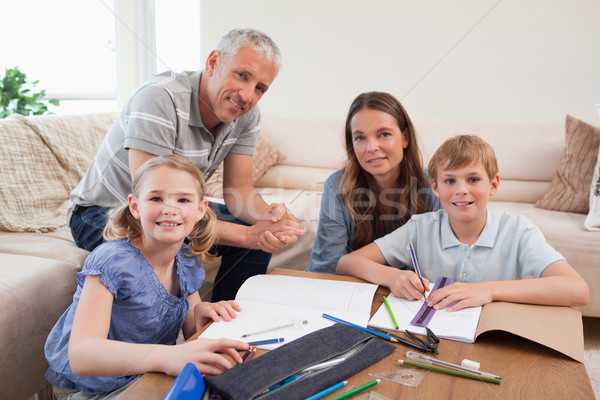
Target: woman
379,188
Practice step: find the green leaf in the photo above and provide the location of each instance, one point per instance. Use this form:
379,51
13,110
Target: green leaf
16,96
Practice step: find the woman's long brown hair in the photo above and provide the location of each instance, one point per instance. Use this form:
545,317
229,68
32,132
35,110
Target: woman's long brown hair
360,194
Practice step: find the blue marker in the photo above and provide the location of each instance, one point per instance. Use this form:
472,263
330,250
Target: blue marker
267,341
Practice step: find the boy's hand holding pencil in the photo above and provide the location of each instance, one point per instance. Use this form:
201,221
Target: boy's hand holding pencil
407,285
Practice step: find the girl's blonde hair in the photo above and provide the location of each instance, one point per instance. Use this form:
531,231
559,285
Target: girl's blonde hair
358,189
122,224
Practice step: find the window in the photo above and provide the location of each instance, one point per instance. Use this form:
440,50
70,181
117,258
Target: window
68,46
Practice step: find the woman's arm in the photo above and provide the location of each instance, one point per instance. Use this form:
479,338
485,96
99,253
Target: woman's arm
558,285
333,232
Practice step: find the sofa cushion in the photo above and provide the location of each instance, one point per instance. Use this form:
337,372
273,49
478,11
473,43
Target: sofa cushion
34,292
570,187
266,157
565,232
57,245
592,221
42,158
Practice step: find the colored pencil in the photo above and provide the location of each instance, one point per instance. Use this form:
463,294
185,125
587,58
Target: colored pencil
249,354
371,331
358,389
387,305
327,391
448,371
413,257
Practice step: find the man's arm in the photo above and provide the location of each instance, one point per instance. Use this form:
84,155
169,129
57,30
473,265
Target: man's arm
136,159
240,196
271,225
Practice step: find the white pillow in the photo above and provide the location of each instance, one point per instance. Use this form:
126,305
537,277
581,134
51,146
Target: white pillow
592,221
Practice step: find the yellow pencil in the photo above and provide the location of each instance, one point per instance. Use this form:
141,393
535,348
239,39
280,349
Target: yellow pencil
387,305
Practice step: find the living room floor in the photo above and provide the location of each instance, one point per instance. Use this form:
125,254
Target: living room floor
591,345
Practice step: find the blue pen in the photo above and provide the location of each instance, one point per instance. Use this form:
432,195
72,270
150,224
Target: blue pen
416,266
267,341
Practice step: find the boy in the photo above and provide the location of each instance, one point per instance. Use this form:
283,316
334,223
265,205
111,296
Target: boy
486,253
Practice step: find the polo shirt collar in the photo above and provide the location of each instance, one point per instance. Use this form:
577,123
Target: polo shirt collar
447,235
490,230
486,239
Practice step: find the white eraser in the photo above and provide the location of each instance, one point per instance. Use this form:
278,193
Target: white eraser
470,364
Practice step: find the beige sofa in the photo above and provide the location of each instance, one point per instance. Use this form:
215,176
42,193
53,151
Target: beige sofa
44,157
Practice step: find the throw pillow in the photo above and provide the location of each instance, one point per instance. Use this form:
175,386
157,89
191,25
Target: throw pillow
592,221
266,157
570,188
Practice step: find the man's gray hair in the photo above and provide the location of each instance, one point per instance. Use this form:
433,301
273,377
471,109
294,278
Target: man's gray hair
234,40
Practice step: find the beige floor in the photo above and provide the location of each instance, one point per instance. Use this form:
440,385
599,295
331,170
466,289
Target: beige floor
591,343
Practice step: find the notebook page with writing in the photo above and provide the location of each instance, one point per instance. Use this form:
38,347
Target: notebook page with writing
458,325
271,301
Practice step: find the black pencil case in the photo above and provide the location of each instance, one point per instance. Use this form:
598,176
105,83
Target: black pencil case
252,380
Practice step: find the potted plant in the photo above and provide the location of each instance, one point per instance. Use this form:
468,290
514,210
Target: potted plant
17,96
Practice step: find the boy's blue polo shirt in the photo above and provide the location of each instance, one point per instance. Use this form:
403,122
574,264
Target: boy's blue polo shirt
510,247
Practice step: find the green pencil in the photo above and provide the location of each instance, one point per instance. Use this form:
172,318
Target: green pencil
448,371
387,305
358,389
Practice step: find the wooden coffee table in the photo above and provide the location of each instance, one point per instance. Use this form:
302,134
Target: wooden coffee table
528,369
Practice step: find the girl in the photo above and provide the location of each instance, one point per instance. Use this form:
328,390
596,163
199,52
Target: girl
379,188
140,288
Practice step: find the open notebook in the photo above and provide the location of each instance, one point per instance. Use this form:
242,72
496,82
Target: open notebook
270,301
459,325
556,327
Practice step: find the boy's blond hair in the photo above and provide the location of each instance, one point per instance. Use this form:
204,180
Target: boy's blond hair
462,150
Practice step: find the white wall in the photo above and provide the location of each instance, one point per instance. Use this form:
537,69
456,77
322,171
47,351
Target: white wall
509,60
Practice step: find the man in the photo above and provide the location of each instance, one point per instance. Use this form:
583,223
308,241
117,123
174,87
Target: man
208,117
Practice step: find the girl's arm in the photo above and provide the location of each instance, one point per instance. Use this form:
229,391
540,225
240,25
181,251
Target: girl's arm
92,354
368,263
558,285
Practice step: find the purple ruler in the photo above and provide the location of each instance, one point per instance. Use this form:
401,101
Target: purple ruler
426,313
